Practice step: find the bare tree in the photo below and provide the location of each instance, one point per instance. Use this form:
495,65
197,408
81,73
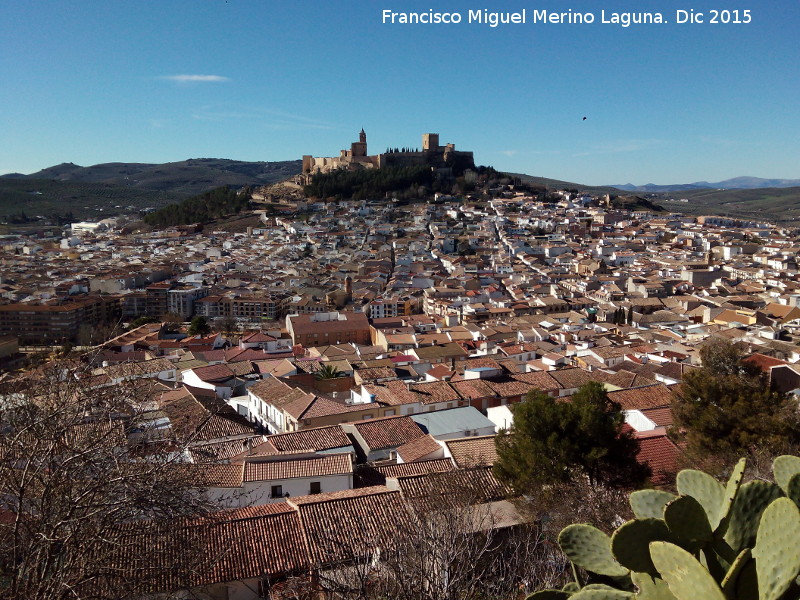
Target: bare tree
72,485
454,544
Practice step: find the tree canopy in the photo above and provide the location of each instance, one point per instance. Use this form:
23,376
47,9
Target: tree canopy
368,183
727,407
553,441
216,203
199,326
83,471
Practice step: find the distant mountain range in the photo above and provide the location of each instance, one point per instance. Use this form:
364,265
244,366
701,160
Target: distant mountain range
193,176
737,183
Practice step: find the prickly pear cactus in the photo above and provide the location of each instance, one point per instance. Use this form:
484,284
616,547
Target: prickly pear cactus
740,541
776,551
590,548
649,504
686,577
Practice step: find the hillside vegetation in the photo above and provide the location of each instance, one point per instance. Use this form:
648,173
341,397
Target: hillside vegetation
69,191
780,205
203,208
369,183
192,176
22,200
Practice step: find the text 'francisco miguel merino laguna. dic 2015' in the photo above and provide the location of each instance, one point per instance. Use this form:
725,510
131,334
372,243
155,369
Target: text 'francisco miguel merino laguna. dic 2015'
495,19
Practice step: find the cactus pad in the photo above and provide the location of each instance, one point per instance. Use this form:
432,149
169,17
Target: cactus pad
649,504
651,588
630,543
750,502
687,579
734,483
688,521
793,488
590,548
731,577
783,469
776,552
705,489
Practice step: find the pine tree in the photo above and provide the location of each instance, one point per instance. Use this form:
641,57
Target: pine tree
727,407
555,441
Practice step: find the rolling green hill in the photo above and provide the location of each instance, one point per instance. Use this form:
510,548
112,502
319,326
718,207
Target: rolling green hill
780,205
125,187
113,188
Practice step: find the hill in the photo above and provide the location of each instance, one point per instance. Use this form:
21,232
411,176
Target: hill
192,176
113,188
780,205
736,183
555,184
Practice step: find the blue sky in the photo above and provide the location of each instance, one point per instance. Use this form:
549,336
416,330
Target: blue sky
91,82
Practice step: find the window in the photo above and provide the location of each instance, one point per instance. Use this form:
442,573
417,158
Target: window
315,488
277,491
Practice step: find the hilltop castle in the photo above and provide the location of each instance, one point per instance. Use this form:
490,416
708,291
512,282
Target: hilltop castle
432,154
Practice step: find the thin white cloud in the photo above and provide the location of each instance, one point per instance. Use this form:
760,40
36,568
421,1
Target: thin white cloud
508,153
195,78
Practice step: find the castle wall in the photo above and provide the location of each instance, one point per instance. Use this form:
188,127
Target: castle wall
432,154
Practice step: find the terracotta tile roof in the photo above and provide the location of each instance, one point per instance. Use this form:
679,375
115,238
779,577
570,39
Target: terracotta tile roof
264,541
373,373
257,337
325,407
542,380
506,387
764,362
366,519
308,365
329,464
651,396
225,449
472,389
269,388
293,401
400,393
297,403
222,476
473,451
660,453
662,417
434,391
202,418
214,373
571,378
317,438
449,350
303,324
389,432
483,361
439,371
473,485
241,368
382,394
419,448
421,467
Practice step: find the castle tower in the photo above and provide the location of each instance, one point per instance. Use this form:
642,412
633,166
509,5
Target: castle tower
359,148
430,141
